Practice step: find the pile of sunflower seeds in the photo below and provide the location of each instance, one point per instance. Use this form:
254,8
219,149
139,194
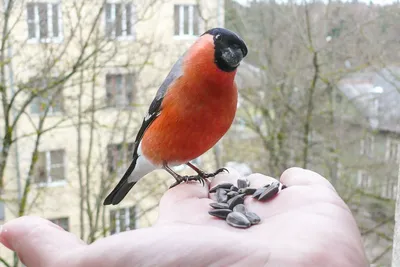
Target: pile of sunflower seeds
230,201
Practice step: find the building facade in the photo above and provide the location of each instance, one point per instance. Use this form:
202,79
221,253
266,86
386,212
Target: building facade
84,73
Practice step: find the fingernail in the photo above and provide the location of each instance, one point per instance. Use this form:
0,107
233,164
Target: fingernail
2,237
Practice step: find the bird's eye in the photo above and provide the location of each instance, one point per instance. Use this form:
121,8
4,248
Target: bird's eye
218,37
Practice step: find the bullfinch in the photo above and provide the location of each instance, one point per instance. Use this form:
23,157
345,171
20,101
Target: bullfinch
193,108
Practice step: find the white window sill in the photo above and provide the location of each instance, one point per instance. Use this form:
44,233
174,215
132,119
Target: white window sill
185,37
57,40
52,184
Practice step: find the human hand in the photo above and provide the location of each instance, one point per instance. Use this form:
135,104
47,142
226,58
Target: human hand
306,224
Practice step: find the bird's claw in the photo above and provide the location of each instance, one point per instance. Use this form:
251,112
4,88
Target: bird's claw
187,179
201,177
209,175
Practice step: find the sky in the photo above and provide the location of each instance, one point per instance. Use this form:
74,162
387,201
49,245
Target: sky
376,2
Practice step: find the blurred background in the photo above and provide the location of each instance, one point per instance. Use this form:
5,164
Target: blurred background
319,89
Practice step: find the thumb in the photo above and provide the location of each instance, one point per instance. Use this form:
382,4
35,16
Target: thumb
37,241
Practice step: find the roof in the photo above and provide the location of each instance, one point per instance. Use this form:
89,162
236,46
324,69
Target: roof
376,94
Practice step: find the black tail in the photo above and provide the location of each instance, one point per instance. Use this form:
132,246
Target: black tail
122,187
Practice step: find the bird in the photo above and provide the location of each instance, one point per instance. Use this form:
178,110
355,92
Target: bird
192,110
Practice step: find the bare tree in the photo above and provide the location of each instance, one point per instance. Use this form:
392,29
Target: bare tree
301,113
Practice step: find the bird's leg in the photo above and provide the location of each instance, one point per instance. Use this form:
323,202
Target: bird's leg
203,175
179,179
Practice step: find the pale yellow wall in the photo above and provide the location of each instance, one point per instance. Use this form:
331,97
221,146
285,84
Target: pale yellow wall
63,200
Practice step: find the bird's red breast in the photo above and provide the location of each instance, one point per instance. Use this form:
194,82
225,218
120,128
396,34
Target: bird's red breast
197,110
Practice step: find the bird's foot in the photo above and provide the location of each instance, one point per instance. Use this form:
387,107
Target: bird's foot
205,175
188,178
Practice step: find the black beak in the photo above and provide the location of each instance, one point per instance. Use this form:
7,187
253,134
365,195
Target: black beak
232,56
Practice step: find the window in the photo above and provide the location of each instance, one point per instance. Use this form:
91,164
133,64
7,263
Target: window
51,98
367,145
62,222
118,157
44,21
389,189
364,179
50,167
392,150
119,89
122,220
375,106
186,20
119,20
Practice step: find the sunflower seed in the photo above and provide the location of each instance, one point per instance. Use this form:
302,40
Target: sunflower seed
240,208
220,213
237,219
269,192
221,195
247,191
223,185
234,188
232,194
258,192
216,205
239,199
241,183
252,217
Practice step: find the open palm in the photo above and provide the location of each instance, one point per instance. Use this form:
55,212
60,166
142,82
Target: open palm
306,224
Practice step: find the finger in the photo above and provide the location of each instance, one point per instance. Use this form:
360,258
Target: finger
190,202
164,246
183,201
259,180
299,176
294,197
262,208
37,241
183,192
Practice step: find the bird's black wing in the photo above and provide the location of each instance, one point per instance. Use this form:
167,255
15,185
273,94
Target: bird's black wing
124,186
155,106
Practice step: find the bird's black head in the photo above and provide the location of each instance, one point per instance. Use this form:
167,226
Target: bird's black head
230,49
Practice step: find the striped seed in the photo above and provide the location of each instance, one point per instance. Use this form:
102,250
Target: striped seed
269,192
239,199
252,217
221,195
220,213
223,185
238,220
216,205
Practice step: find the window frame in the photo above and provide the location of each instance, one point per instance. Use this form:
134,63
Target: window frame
389,143
360,180
56,221
113,36
125,91
49,182
51,111
123,153
127,220
51,92
181,21
389,189
36,21
364,149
